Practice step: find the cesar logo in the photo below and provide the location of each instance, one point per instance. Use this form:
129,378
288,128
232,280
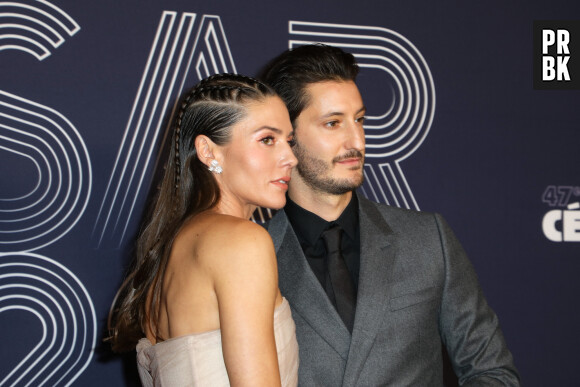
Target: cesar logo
555,67
569,221
562,225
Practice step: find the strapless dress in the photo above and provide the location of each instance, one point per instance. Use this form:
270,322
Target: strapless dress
197,359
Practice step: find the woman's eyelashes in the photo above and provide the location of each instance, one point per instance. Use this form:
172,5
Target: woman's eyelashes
271,140
331,124
268,140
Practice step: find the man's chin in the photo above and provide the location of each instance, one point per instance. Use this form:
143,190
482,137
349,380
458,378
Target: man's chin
352,180
342,186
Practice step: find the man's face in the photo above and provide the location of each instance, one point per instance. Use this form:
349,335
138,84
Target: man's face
329,135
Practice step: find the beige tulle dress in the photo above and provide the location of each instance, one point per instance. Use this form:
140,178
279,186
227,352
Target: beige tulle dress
197,359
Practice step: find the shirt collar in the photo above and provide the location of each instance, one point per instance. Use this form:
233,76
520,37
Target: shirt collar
310,226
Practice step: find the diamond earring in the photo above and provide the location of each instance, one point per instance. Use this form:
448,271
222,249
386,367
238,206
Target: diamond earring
214,166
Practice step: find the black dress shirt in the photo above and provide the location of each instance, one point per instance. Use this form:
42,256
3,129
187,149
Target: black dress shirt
309,227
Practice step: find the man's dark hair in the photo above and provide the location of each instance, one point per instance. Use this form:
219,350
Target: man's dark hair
293,70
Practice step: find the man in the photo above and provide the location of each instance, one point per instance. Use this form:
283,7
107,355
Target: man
377,309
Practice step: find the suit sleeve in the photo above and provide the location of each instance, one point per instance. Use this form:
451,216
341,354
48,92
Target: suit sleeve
469,328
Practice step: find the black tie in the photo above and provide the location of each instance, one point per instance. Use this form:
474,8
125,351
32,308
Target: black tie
339,284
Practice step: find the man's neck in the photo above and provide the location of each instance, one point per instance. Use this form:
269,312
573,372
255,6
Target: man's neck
327,206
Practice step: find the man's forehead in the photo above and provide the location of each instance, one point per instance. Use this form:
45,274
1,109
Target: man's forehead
326,94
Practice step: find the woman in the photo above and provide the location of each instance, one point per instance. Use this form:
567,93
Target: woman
203,288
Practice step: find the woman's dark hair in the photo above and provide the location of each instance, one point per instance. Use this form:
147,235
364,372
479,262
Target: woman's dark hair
293,70
187,188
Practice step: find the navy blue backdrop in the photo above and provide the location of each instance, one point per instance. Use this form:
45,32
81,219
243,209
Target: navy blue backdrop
454,126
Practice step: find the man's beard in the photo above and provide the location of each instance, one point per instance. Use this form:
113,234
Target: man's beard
316,172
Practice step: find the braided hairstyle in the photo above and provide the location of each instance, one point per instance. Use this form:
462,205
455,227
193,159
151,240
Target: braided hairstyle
187,188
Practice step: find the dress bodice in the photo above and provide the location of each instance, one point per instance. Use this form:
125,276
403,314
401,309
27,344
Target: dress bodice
197,359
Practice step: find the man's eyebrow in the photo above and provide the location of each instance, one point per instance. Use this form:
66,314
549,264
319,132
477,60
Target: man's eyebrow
333,114
361,110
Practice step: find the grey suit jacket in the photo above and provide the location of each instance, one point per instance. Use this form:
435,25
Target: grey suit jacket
416,291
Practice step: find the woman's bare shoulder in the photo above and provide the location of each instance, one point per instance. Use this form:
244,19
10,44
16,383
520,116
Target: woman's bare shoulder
214,235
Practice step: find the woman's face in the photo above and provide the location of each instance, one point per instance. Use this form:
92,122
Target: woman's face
258,160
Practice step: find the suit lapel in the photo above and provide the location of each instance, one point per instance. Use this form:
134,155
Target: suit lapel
301,288
377,259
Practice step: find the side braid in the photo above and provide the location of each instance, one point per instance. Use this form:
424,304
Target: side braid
179,122
228,87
